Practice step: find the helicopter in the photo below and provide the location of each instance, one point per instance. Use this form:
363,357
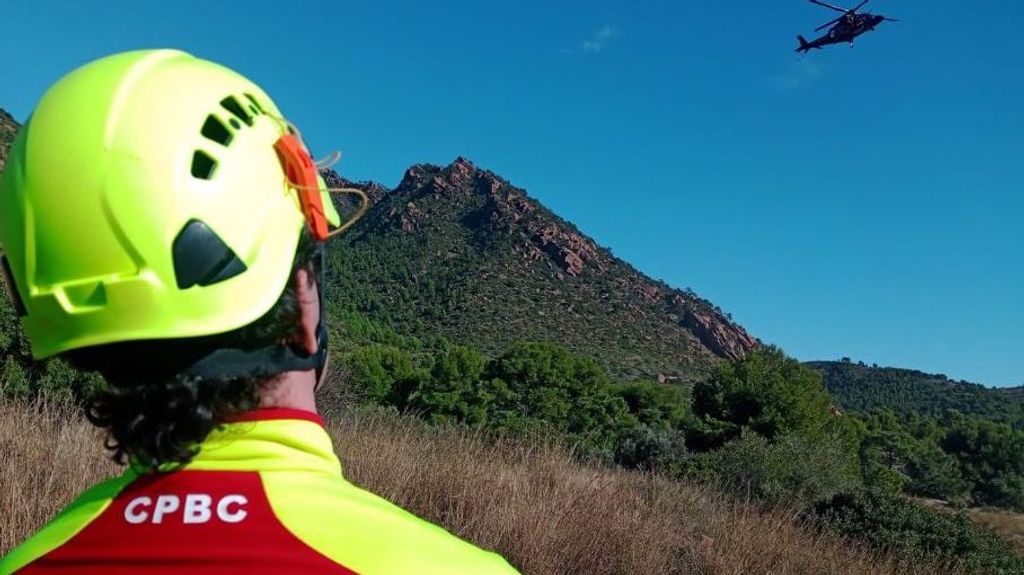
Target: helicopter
844,28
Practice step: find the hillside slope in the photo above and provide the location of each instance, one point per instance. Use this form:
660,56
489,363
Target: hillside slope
862,388
458,252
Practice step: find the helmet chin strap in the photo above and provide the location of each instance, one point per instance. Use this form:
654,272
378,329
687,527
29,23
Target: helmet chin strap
321,329
323,369
262,362
273,359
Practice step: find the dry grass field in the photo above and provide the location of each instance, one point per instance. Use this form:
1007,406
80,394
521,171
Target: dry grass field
1009,525
538,506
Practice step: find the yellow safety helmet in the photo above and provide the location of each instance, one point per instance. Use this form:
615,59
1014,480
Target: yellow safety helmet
153,195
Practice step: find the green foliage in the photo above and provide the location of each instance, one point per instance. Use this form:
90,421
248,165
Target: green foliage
534,387
656,405
991,456
793,469
934,473
381,373
15,382
959,458
357,328
455,391
878,472
1005,490
897,524
659,441
22,377
660,449
544,383
766,392
861,388
468,265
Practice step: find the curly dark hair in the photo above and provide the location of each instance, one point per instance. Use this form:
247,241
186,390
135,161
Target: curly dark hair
154,413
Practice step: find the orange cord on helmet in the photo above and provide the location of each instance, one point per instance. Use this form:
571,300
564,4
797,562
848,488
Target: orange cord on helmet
299,165
364,205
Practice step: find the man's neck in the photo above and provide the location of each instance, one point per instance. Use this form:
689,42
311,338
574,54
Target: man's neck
292,389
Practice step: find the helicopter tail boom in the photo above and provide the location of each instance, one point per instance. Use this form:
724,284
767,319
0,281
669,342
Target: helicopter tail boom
805,46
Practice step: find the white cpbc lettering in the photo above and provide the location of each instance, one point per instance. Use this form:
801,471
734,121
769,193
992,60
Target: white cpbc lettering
227,516
131,513
198,508
165,504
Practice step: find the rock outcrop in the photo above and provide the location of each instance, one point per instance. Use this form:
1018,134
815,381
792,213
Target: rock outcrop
8,129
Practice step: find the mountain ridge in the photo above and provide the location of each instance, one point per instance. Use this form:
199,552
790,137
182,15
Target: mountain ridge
859,387
478,215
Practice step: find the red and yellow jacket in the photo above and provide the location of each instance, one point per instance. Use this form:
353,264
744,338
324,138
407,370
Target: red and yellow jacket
265,494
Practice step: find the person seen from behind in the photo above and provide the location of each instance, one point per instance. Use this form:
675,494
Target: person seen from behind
164,225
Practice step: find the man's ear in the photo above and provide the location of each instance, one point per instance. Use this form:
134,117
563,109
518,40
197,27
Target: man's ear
308,296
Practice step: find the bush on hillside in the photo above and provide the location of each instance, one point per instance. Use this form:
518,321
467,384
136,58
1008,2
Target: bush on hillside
934,473
382,374
656,405
655,449
896,524
22,377
454,392
792,470
766,392
543,383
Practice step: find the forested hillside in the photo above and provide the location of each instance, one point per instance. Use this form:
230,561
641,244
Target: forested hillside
862,388
458,253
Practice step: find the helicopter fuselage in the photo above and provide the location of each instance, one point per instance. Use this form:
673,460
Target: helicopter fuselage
848,28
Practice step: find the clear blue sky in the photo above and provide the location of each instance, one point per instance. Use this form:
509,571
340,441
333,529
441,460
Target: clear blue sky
864,202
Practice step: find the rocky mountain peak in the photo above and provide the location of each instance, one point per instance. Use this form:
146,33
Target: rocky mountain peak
460,177
431,199
373,190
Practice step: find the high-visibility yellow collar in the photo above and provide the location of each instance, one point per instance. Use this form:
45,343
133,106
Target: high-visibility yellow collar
269,440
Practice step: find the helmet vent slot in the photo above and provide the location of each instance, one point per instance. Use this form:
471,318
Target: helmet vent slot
202,165
201,257
215,131
255,104
231,104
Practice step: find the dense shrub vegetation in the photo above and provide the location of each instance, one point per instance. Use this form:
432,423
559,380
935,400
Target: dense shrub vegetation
895,523
763,427
863,388
459,253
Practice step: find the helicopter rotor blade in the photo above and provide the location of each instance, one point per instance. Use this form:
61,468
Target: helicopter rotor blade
827,24
859,6
887,19
836,8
